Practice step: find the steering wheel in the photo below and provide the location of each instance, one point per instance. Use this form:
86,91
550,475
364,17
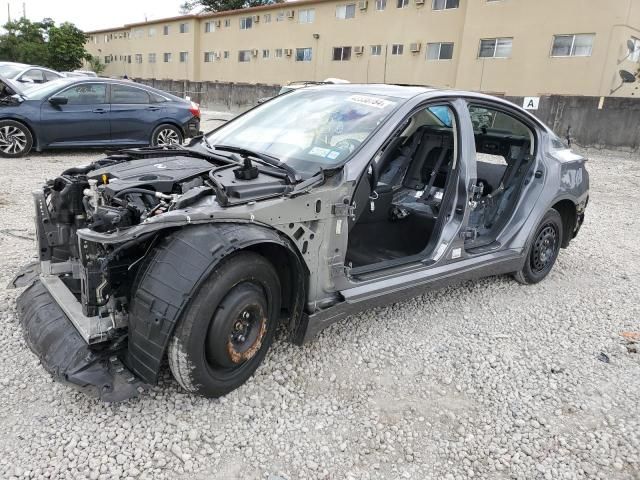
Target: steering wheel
347,145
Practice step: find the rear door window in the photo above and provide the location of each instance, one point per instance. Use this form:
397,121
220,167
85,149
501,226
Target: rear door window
122,94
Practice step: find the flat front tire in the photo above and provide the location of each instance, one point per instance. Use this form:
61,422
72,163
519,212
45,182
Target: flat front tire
15,139
544,249
227,328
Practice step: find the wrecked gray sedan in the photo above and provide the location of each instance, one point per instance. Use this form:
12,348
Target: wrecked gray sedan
317,204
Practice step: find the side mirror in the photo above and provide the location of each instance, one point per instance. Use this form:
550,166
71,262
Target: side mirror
58,100
26,80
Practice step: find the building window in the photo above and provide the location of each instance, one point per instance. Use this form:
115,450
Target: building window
184,57
244,55
635,56
246,23
445,4
439,51
227,22
209,27
572,45
267,18
107,59
138,58
306,16
277,53
376,50
128,58
152,32
397,49
225,55
341,54
152,58
138,33
165,30
209,57
346,11
265,53
402,3
303,54
184,28
280,16
167,57
381,4
495,48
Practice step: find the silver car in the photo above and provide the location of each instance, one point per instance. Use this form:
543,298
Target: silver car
317,204
27,74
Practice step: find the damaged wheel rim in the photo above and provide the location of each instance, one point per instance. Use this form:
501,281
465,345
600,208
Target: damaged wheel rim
238,328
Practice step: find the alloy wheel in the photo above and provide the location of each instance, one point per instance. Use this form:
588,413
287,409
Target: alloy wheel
167,136
12,140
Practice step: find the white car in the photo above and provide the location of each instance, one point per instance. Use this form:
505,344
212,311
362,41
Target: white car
23,73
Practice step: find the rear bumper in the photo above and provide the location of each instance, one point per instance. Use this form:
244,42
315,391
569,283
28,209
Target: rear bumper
96,370
192,128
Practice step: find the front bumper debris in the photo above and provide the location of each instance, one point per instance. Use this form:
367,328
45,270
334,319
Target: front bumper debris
95,370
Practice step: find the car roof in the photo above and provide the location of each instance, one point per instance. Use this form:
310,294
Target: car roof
398,91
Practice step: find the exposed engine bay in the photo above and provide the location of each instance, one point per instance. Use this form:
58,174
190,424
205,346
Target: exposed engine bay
121,191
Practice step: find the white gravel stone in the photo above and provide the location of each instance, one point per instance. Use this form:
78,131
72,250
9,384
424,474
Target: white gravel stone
487,379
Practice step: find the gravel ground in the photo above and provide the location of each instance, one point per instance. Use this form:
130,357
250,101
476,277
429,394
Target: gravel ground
489,379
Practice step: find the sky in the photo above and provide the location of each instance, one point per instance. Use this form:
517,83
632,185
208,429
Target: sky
92,14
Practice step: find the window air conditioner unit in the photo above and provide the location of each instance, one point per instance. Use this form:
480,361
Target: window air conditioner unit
216,55
290,13
256,18
217,23
288,52
415,47
254,52
358,50
419,2
363,4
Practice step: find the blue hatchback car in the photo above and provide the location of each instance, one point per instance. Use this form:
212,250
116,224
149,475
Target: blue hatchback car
91,112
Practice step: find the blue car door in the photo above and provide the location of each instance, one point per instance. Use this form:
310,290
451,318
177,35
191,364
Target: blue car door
77,115
133,115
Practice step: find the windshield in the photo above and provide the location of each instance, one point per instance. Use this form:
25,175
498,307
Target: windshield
10,71
308,129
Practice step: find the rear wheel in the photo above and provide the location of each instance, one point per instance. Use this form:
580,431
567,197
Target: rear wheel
544,249
165,135
225,332
15,139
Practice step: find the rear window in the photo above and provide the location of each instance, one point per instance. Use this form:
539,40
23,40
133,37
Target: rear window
9,71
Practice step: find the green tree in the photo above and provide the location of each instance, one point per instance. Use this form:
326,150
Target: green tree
223,5
66,47
43,43
96,65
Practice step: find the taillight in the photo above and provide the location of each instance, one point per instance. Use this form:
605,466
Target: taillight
195,109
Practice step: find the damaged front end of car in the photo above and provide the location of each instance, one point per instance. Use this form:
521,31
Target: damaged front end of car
74,311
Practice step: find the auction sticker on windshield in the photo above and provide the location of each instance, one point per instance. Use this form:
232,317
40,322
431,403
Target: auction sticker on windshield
370,101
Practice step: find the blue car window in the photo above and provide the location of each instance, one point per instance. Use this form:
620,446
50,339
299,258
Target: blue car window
122,94
85,94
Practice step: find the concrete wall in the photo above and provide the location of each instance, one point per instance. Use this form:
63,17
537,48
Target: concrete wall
616,125
216,95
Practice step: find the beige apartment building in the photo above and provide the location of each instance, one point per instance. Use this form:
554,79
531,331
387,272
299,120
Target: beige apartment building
512,47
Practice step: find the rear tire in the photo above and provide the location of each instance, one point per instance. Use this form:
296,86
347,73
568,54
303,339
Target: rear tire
166,134
225,332
15,139
543,250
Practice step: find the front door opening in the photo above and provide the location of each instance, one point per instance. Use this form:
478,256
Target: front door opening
399,202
